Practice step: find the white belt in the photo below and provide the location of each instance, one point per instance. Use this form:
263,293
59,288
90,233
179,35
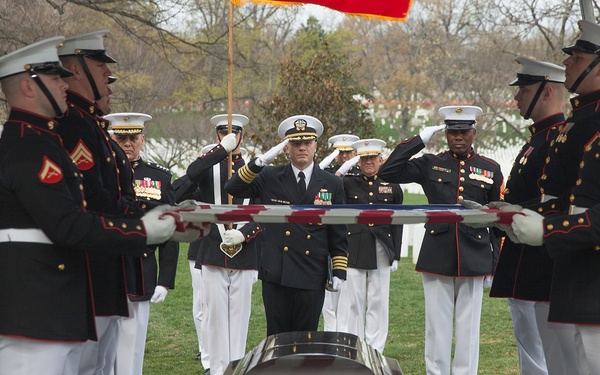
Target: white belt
34,235
574,210
546,198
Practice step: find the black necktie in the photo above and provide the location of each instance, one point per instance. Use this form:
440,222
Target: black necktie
301,183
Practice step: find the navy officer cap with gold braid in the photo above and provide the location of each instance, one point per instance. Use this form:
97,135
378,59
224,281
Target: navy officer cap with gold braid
300,128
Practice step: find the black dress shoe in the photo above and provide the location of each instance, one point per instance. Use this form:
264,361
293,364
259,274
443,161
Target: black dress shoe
206,372
199,356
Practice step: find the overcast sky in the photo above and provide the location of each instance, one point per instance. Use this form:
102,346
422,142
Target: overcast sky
328,17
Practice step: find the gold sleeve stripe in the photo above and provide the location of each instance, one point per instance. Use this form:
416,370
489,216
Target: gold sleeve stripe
340,262
246,174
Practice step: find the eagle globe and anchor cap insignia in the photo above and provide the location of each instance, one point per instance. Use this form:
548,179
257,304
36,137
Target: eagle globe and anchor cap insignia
300,124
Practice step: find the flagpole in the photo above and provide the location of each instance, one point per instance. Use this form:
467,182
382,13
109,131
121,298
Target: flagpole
230,95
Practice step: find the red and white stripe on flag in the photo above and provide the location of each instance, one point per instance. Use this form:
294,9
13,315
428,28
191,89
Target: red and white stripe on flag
340,215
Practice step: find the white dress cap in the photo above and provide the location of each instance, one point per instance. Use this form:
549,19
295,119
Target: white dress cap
300,128
589,41
41,57
237,122
342,142
88,44
127,122
460,117
533,71
367,147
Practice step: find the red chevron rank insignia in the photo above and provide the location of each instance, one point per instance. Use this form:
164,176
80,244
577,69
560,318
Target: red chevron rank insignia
50,173
82,156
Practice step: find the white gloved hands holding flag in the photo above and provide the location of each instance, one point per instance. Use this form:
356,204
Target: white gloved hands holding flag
270,155
159,228
528,228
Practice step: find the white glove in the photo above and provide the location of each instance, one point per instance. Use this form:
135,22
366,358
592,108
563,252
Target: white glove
471,204
270,155
325,162
229,142
160,293
429,131
499,205
337,284
347,165
159,228
529,228
487,281
474,206
394,266
233,237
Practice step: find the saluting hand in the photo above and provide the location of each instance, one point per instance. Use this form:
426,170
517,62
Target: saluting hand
429,131
270,155
325,162
347,166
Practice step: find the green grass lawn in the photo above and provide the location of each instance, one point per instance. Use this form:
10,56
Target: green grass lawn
171,345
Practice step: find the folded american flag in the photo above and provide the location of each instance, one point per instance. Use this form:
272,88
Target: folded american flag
342,214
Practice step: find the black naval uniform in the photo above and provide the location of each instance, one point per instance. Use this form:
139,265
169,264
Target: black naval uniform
525,272
153,187
104,167
293,257
453,250
571,173
363,189
40,187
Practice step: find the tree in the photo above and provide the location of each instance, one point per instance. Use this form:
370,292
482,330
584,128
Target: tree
322,88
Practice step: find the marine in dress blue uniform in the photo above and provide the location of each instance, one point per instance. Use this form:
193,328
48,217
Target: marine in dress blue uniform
108,182
454,258
293,264
570,184
373,252
46,232
152,187
524,274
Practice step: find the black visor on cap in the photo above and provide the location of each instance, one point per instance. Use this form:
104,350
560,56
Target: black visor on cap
526,80
51,67
459,124
96,54
234,128
582,46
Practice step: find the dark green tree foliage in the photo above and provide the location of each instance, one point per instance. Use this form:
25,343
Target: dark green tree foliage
323,88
